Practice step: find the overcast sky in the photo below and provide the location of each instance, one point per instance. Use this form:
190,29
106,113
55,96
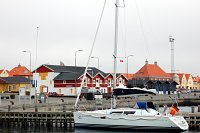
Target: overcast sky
69,25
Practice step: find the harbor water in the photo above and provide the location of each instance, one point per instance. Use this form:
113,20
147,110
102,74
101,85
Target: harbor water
63,130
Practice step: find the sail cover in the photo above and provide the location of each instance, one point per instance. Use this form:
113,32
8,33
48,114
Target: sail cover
131,91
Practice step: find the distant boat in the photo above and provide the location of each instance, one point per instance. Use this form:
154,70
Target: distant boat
144,116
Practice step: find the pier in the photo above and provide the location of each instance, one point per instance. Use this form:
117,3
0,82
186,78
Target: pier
48,119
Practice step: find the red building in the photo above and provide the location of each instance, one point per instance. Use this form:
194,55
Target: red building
67,79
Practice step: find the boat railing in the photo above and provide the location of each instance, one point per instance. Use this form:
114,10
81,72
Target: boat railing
81,108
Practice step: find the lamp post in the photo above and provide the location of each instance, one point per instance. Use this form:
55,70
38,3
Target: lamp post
75,55
25,51
75,65
127,64
97,60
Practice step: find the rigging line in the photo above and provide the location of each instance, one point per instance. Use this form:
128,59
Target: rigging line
96,33
36,43
142,29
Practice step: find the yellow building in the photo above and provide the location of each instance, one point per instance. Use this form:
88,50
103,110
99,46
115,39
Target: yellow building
13,84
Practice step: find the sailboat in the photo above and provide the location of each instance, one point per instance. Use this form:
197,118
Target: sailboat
144,116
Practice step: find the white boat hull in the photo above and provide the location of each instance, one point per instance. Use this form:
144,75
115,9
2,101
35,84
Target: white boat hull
121,121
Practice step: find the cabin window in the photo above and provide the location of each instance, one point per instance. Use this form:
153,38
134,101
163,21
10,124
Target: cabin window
129,112
116,112
103,117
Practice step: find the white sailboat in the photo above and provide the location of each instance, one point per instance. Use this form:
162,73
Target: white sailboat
144,116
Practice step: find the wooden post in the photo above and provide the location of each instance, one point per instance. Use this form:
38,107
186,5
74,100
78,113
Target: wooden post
192,109
64,108
9,108
36,108
23,107
198,108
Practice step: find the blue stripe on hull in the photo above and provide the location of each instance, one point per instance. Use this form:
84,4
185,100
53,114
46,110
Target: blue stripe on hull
122,127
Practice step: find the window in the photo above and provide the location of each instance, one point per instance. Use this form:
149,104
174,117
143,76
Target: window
120,81
25,71
109,82
14,87
9,88
85,82
64,81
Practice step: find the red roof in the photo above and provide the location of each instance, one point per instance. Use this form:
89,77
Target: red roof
151,70
196,79
20,71
187,76
129,76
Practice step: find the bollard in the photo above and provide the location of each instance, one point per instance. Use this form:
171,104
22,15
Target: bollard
64,108
23,107
36,109
9,108
192,109
198,108
178,94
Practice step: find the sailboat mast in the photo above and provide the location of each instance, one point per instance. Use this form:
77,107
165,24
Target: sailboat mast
115,43
113,103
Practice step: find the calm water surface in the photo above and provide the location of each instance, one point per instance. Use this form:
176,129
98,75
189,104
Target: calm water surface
63,130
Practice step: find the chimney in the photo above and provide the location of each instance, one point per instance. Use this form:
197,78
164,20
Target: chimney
146,62
19,65
156,63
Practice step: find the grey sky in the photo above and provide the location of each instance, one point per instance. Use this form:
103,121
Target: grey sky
68,25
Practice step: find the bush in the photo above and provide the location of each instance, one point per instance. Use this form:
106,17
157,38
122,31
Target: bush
12,96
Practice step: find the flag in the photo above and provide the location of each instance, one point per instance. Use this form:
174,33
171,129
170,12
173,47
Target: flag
121,61
61,63
171,39
173,110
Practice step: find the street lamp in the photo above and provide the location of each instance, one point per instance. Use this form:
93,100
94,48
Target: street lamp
75,55
25,51
75,64
97,60
127,63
